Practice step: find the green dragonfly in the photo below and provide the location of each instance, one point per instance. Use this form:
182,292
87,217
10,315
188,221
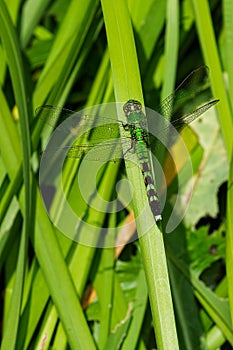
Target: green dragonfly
137,130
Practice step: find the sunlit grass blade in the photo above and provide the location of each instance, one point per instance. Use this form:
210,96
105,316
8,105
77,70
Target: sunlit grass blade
210,52
127,85
227,10
171,48
212,60
229,242
32,12
228,29
77,296
53,265
12,48
66,46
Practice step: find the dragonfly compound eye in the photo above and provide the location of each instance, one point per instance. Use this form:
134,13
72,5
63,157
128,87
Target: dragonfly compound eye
132,106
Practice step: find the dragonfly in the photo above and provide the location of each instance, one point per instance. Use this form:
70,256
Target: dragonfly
138,127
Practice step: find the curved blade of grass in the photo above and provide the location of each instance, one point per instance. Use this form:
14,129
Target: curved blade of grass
171,48
127,85
68,41
209,47
32,12
141,297
63,291
11,191
216,307
70,72
50,257
228,26
187,314
229,242
212,60
104,285
11,45
9,137
171,54
215,339
144,15
13,7
227,11
65,298
83,255
82,258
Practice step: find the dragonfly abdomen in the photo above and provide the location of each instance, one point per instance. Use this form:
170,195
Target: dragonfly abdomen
150,188
136,119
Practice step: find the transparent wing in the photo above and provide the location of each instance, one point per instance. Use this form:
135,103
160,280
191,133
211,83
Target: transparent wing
107,151
183,106
100,127
191,93
101,134
93,136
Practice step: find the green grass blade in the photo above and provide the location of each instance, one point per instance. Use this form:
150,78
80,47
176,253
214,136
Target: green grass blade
229,242
67,63
209,47
171,48
216,307
138,313
63,292
68,40
212,60
13,7
11,46
9,137
104,284
228,25
82,256
12,189
32,12
127,85
144,16
227,11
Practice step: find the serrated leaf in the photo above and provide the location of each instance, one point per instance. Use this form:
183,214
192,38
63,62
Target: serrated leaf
205,249
119,333
212,171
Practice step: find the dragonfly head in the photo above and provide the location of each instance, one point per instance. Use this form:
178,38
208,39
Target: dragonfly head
132,106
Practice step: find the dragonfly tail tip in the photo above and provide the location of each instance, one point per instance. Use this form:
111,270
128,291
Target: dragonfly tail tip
158,217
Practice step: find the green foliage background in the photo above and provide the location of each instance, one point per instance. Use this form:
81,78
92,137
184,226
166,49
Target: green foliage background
81,53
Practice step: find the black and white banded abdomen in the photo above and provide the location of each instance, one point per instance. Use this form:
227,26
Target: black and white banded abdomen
150,190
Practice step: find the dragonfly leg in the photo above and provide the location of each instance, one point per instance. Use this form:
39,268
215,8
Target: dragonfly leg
132,147
125,126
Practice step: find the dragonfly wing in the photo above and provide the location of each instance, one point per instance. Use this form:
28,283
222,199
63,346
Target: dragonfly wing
181,107
188,93
167,132
92,136
188,118
106,151
52,115
93,125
